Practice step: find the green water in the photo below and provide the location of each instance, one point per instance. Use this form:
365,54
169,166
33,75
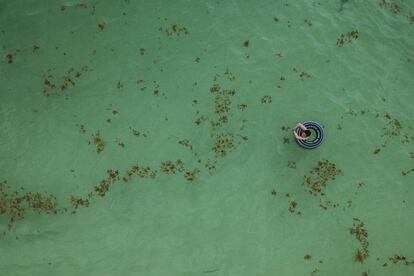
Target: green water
87,87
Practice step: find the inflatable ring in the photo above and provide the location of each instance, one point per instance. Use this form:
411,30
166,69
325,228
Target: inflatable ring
312,143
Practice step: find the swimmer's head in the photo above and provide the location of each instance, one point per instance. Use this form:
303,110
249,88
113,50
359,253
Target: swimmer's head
307,132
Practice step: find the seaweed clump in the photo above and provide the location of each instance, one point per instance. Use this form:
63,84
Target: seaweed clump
15,204
172,167
291,164
210,166
175,29
99,142
348,37
293,206
404,173
321,174
303,75
51,87
224,144
105,184
266,99
401,259
191,175
361,235
77,201
186,143
222,106
142,171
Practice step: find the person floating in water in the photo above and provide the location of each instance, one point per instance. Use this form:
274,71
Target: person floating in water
305,133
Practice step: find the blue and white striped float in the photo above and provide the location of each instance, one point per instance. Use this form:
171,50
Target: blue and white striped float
312,143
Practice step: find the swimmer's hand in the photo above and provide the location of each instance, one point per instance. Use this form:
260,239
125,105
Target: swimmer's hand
299,137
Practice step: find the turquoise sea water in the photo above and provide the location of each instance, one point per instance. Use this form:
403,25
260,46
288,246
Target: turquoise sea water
153,137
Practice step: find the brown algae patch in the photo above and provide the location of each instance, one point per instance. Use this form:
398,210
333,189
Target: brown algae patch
223,141
222,99
230,76
286,140
359,186
315,272
293,207
77,201
119,85
172,167
174,29
82,128
302,75
15,204
120,143
320,176
266,99
142,171
361,234
395,8
186,143
105,184
242,106
52,86
138,133
210,165
397,259
308,23
35,48
191,175
224,144
347,38
178,166
392,129
404,173
10,56
101,26
98,142
291,164
222,107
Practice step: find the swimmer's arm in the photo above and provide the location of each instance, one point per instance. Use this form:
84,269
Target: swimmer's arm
299,125
302,126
